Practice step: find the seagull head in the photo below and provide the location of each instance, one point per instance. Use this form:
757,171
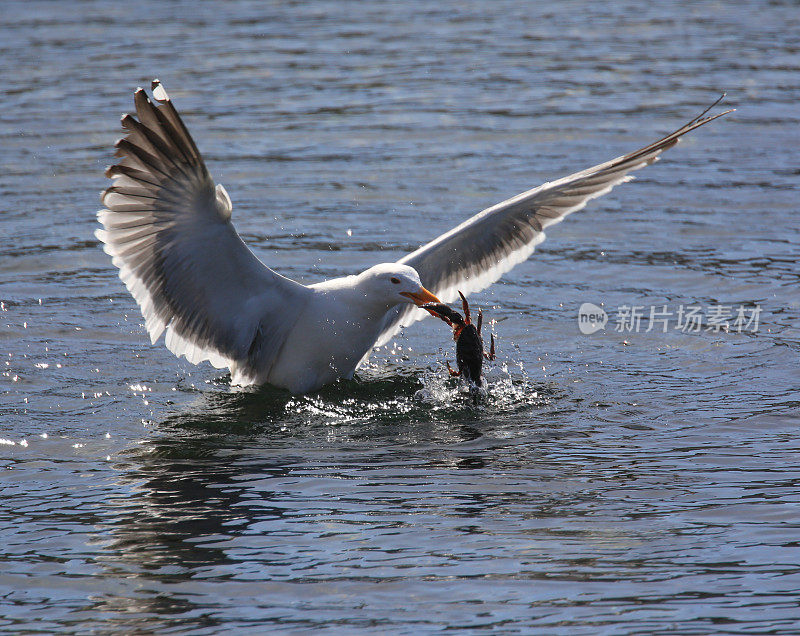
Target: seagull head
393,283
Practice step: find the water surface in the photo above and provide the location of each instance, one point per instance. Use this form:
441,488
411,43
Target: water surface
611,483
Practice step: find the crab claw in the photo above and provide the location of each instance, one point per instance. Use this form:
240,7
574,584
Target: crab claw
439,310
445,312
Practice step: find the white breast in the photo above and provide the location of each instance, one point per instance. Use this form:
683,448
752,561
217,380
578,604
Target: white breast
328,341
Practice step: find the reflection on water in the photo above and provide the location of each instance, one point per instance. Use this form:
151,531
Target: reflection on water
259,486
613,483
283,520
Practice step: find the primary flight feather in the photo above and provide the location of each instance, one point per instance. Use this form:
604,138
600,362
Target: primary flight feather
168,229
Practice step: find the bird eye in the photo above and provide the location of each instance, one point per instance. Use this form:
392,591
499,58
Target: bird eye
395,280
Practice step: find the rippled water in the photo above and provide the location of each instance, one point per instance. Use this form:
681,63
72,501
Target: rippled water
610,483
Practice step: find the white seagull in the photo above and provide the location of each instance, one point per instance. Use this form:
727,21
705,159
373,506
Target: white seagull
168,229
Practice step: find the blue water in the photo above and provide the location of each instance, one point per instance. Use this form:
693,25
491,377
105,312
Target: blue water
619,482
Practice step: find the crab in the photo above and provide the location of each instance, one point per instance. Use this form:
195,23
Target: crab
469,343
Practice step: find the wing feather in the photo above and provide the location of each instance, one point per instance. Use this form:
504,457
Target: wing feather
168,230
476,253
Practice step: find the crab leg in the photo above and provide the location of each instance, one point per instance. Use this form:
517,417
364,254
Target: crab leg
465,306
491,354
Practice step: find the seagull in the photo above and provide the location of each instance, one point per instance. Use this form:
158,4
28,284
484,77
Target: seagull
167,227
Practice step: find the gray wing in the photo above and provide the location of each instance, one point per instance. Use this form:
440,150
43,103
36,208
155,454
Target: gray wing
475,254
169,232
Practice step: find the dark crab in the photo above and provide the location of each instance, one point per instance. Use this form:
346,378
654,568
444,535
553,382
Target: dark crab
469,343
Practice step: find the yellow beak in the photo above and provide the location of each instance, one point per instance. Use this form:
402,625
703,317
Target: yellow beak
421,297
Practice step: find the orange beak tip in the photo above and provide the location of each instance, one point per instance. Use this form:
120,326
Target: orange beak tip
421,297
424,296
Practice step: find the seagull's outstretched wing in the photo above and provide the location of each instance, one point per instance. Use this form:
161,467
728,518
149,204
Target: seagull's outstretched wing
169,232
475,254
